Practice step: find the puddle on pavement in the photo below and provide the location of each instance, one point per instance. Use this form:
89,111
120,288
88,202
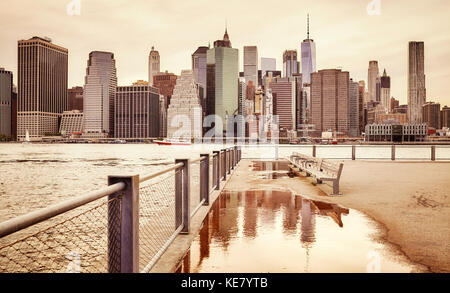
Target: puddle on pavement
279,165
278,232
272,169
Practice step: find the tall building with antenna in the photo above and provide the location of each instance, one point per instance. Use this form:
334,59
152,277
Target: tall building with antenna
308,51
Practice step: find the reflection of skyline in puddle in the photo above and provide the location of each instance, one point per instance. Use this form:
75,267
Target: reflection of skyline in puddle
272,169
274,231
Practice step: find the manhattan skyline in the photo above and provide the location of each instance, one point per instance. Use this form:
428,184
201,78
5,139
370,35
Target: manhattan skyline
345,35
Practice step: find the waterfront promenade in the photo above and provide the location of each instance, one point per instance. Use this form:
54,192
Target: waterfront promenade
409,201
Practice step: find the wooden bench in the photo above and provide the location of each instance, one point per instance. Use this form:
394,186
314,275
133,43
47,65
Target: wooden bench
322,170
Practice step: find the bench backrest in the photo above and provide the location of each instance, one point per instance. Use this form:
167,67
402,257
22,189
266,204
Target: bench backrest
332,168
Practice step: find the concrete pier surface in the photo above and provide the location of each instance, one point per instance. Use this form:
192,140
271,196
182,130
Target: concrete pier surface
410,201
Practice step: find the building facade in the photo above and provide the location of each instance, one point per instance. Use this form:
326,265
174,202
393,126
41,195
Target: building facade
398,118
165,82
6,99
153,65
268,64
99,95
222,80
199,65
251,64
396,132
373,74
354,109
184,115
290,63
42,87
71,123
385,91
330,101
283,91
361,112
416,81
137,111
431,114
445,117
393,104
75,98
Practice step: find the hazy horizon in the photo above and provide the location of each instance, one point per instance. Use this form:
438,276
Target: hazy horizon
346,36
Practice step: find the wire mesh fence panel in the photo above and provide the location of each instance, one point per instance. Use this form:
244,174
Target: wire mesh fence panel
156,216
76,244
211,173
194,185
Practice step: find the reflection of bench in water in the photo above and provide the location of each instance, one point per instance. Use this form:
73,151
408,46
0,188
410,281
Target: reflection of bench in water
322,170
331,210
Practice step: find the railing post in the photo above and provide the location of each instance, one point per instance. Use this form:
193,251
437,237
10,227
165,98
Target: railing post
224,164
314,151
229,161
204,179
393,153
123,226
236,160
186,194
433,153
178,197
353,152
216,167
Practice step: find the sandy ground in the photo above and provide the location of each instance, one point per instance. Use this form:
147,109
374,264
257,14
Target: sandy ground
411,201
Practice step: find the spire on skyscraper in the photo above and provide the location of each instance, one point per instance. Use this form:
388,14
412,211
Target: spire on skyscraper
225,36
308,27
384,73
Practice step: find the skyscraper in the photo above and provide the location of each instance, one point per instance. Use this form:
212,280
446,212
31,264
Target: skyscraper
165,82
431,114
330,101
372,76
137,111
353,109
42,87
184,115
153,65
445,117
416,81
199,66
385,91
251,64
361,112
99,95
308,49
242,97
6,90
290,63
284,101
222,79
268,64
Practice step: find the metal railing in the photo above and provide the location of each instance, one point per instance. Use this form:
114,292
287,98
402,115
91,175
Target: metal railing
123,228
419,152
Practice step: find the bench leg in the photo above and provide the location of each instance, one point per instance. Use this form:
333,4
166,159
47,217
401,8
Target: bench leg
319,181
335,187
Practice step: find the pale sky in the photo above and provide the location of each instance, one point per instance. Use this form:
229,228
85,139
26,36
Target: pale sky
346,36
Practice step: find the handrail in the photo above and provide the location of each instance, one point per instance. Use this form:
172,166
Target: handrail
13,225
156,174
